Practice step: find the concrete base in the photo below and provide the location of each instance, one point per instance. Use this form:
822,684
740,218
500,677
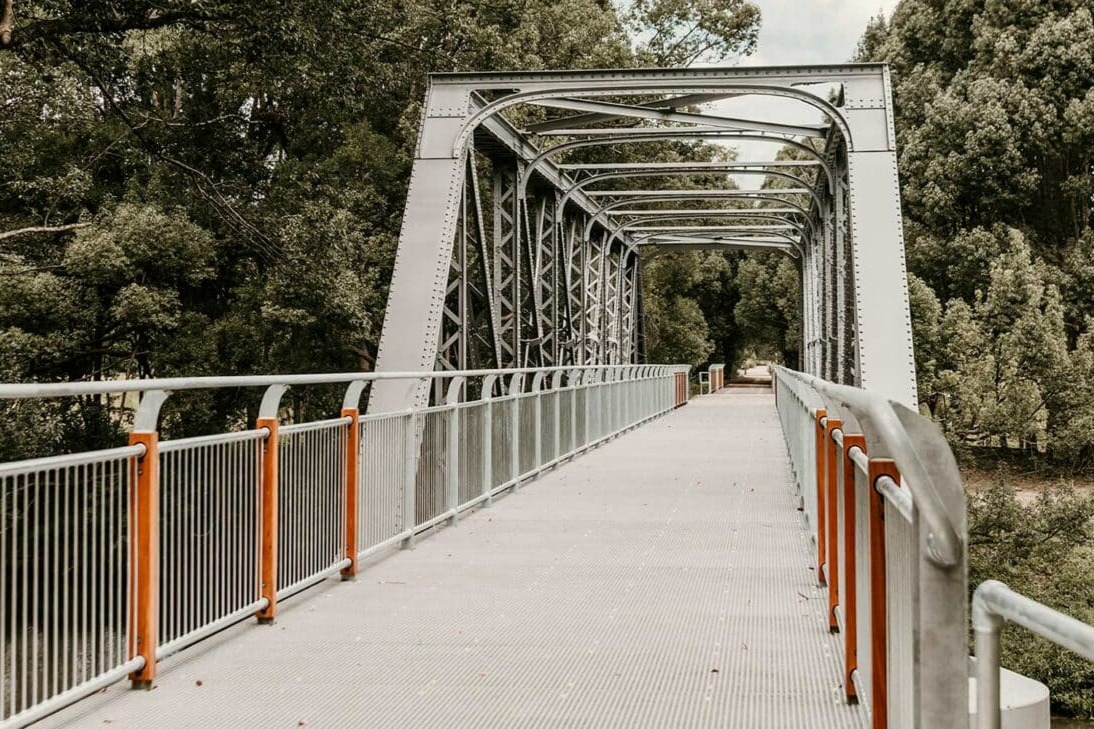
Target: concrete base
1024,702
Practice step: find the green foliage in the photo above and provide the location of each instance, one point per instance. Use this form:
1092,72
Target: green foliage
995,127
768,312
203,186
676,330
1043,549
683,32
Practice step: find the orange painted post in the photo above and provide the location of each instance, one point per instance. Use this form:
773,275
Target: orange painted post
268,488
353,444
832,529
681,389
878,600
819,476
850,599
144,557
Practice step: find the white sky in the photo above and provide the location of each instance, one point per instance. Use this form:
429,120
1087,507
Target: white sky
798,32
812,31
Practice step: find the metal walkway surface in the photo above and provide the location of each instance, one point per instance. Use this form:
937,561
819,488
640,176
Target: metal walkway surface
661,580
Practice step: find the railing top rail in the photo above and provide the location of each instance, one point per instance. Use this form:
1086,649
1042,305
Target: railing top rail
944,544
994,602
171,384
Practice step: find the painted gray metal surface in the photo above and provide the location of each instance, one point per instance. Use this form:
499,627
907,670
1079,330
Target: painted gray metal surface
564,285
661,580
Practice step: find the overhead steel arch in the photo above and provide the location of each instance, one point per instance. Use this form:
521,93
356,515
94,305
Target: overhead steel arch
663,136
615,205
683,169
682,240
623,228
504,260
678,87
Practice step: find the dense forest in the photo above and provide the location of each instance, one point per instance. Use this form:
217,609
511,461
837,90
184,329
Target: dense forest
202,186
198,187
995,131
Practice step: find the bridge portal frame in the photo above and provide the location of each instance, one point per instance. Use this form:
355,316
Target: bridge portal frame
546,296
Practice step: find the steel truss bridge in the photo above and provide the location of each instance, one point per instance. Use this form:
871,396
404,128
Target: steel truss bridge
783,556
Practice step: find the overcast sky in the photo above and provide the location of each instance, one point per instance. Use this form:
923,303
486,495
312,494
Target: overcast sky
798,32
812,31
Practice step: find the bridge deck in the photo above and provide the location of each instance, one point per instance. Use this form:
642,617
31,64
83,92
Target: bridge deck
660,581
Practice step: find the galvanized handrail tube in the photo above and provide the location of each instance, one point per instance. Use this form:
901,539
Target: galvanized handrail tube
166,650
68,460
314,425
897,495
993,603
860,459
312,454
945,547
171,384
235,436
916,678
71,696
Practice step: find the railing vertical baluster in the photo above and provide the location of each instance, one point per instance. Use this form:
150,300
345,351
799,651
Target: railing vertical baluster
850,577
879,633
516,384
570,382
832,528
453,448
410,477
586,414
538,427
819,474
488,440
353,446
556,387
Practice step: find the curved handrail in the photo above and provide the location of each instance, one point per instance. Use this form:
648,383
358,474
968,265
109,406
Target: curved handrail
33,390
944,545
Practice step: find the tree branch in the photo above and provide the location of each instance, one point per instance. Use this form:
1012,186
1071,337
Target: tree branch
227,212
7,22
56,27
42,229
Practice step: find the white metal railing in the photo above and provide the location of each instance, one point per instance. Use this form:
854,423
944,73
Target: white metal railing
884,501
117,558
712,380
993,603
885,504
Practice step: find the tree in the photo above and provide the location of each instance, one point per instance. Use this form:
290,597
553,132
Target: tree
683,32
994,111
217,187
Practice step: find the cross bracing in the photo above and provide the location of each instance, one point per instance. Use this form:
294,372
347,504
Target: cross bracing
578,194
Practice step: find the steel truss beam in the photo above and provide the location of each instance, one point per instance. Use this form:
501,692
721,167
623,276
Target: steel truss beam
638,112
540,266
